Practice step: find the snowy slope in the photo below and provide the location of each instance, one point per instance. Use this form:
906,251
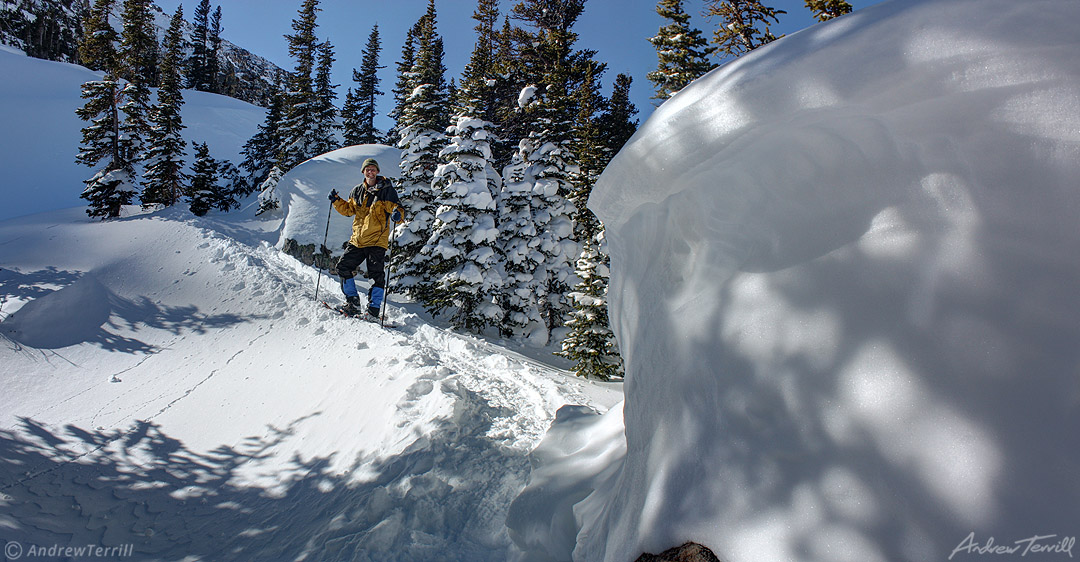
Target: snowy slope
168,382
39,131
844,280
176,388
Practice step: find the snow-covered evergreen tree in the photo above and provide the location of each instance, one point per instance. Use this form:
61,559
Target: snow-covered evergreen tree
825,10
325,133
163,180
206,191
523,262
299,123
405,82
682,52
553,163
358,113
461,255
744,25
268,198
477,94
137,63
213,61
97,46
261,150
198,65
106,149
591,343
421,126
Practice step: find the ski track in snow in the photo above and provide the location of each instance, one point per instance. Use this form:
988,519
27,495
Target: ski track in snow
148,431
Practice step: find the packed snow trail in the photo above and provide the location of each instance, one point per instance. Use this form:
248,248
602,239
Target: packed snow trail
177,388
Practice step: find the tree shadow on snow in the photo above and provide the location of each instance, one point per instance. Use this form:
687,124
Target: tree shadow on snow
436,500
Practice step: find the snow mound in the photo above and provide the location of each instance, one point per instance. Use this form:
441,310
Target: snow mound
844,275
302,192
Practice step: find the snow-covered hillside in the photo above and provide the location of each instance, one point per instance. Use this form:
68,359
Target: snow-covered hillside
845,274
39,131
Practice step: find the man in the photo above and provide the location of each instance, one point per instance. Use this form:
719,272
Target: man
372,204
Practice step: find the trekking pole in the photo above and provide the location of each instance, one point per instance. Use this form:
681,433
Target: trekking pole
389,254
319,281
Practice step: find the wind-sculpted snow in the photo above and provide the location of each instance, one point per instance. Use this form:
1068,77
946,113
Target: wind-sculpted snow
302,193
844,281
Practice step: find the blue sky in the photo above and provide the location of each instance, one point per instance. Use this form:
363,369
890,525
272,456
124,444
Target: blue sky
617,29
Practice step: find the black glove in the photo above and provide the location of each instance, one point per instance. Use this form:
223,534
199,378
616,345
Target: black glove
334,195
396,217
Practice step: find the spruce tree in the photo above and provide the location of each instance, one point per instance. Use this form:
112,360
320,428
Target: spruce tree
163,181
617,123
476,97
825,10
299,123
590,342
682,52
519,244
551,57
744,25
325,128
460,256
213,64
261,150
421,126
138,65
511,75
358,113
97,47
205,193
405,82
138,44
198,75
105,149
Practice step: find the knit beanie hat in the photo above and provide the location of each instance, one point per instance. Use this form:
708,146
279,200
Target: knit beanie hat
370,162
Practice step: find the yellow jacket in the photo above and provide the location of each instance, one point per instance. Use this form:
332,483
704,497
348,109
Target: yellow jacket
371,212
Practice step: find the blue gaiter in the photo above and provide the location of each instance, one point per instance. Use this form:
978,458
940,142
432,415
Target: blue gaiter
348,286
376,297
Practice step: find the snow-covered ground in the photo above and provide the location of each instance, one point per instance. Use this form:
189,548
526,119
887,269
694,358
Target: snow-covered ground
169,382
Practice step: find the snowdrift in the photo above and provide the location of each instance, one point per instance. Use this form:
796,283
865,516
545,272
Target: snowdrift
302,193
844,280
